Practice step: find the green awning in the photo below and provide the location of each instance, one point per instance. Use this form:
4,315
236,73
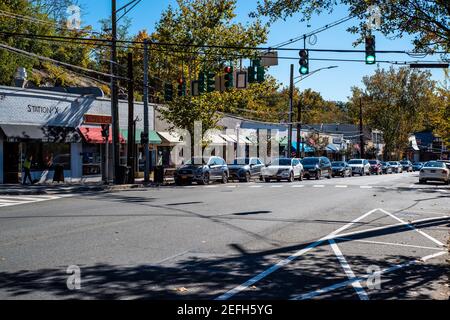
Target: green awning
154,138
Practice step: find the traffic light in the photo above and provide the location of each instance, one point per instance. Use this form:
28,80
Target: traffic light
201,83
181,88
168,92
105,130
210,82
260,74
370,50
251,74
229,77
304,62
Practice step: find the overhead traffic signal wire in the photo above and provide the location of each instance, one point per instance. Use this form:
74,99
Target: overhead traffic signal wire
231,47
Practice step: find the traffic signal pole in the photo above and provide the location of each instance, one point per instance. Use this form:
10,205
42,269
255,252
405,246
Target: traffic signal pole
114,95
146,124
291,98
131,163
361,131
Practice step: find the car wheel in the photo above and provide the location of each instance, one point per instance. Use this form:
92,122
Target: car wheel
300,178
248,177
266,179
205,179
224,179
291,177
318,175
422,181
329,176
178,182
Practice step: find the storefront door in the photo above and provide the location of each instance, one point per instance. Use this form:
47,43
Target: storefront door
11,164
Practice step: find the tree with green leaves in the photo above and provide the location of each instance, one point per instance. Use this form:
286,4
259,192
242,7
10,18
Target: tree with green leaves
397,102
427,21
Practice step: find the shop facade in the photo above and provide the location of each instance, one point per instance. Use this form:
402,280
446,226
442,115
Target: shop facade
51,127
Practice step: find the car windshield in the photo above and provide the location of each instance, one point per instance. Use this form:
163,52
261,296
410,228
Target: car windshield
393,163
355,162
241,161
373,162
417,163
337,164
281,162
404,162
308,161
197,161
434,164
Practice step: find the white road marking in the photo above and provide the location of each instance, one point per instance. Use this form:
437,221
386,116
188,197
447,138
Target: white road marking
8,201
413,228
388,243
348,271
318,186
277,186
298,186
255,186
227,295
366,187
318,292
341,186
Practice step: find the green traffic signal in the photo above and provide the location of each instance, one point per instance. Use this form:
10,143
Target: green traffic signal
304,62
370,50
211,82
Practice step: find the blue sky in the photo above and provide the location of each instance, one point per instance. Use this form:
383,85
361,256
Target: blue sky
334,84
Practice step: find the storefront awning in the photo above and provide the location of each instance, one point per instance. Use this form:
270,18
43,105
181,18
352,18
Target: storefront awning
303,146
154,138
94,135
332,148
214,139
170,137
23,132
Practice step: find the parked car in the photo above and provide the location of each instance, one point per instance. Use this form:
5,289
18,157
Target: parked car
386,167
245,169
376,167
447,162
396,166
283,169
317,167
417,166
360,166
202,171
406,165
434,171
341,168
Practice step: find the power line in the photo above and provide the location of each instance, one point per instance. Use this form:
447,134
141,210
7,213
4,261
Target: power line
168,44
22,52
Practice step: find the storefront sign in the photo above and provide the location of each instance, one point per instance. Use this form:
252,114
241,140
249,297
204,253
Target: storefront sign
97,119
42,109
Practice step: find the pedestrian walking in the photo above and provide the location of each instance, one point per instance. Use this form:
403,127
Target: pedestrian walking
27,169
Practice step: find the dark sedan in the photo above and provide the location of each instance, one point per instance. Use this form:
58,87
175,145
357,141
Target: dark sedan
417,166
317,167
245,169
202,171
341,169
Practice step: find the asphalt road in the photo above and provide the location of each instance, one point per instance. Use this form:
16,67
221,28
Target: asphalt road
377,237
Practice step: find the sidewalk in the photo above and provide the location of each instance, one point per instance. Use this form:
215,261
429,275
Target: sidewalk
65,188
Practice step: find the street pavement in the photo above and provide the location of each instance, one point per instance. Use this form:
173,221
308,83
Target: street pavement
374,237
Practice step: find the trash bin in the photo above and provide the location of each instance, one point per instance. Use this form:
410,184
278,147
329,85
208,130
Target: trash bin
58,175
122,175
159,174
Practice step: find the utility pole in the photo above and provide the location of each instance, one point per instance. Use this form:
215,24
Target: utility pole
299,128
361,130
291,99
131,162
114,95
146,124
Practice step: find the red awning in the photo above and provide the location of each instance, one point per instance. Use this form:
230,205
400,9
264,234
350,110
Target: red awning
94,135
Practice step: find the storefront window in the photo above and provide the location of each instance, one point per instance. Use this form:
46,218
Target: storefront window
47,155
92,160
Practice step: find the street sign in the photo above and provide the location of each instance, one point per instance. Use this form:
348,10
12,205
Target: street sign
96,119
269,58
241,79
